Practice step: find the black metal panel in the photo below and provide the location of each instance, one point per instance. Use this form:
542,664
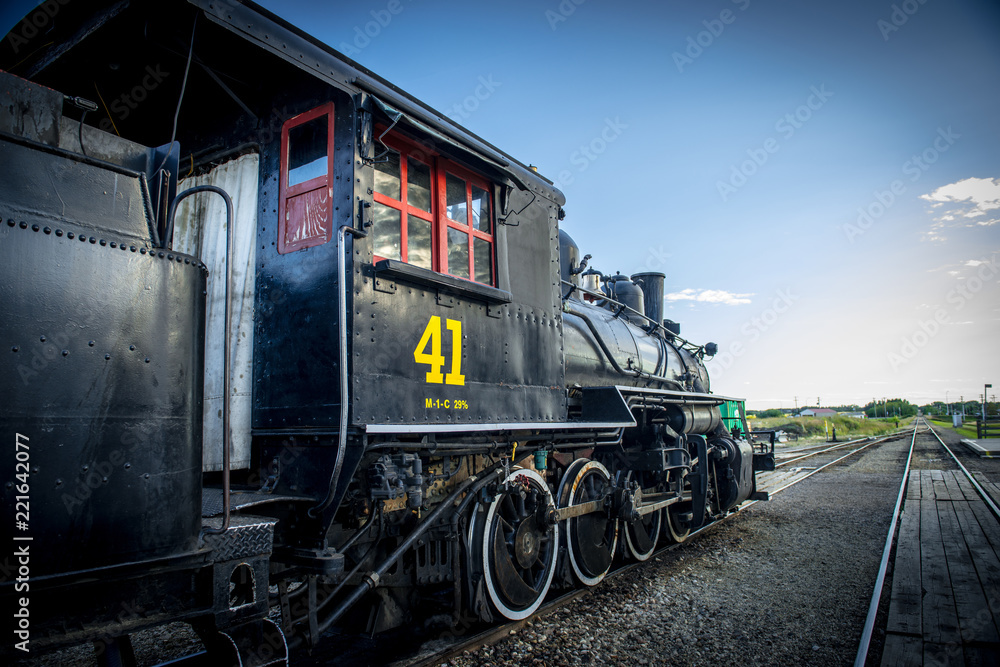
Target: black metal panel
296,330
511,353
606,405
101,358
30,111
57,188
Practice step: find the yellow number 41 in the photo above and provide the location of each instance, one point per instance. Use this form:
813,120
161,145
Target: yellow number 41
432,336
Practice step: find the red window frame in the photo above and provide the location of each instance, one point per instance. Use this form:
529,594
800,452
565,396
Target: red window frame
409,150
322,231
440,223
470,178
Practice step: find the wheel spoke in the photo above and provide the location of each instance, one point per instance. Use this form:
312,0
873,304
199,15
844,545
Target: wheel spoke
516,552
642,535
591,538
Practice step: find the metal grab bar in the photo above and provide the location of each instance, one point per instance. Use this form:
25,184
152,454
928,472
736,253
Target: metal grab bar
344,403
226,390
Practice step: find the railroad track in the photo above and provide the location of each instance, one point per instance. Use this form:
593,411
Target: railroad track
791,456
925,447
785,475
773,483
791,453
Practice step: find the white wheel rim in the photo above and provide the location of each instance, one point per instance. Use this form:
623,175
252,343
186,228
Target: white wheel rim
577,476
486,551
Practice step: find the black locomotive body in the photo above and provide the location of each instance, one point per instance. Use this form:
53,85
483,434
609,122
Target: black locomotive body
317,338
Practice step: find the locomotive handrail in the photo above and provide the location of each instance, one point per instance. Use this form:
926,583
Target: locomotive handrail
226,434
688,345
338,463
610,357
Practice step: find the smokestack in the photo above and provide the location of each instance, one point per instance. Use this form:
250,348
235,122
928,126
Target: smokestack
652,294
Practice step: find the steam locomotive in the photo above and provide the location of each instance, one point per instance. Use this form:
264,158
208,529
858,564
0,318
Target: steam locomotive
323,351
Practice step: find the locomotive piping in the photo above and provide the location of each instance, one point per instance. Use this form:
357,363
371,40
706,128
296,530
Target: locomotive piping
371,581
344,403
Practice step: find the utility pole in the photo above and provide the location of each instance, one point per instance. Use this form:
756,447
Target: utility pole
985,387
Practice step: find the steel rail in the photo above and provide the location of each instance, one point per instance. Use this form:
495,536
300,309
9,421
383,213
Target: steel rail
863,646
866,635
821,451
830,449
827,465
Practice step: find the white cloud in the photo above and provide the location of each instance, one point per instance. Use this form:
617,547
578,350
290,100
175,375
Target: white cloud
983,192
934,233
969,198
709,296
980,194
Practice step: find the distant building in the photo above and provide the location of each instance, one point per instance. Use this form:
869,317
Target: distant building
854,415
818,412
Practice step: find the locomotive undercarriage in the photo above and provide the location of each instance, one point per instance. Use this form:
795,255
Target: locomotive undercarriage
452,532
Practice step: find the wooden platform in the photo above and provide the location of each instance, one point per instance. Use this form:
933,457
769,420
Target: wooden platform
984,448
945,600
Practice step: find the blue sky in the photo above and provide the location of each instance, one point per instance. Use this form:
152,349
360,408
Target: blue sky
820,182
